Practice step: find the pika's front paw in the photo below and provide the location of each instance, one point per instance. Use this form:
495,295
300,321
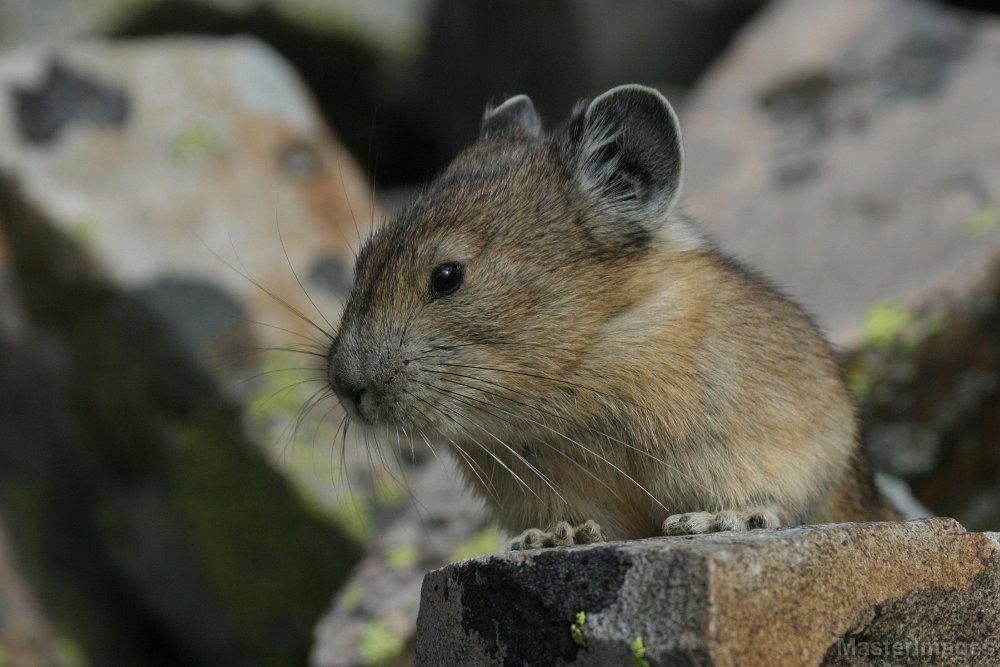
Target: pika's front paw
560,535
698,523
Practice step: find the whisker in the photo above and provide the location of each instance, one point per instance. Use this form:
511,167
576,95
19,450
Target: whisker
244,272
354,218
531,375
319,425
455,346
485,449
567,456
259,407
517,456
610,437
298,282
276,327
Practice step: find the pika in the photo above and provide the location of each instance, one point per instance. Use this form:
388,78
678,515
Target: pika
600,369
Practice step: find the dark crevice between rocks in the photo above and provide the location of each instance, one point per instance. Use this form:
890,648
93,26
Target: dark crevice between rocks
930,403
985,6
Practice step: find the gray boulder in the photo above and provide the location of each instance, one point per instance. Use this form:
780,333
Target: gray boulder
849,150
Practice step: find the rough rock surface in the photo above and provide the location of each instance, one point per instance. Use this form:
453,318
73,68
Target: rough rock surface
373,617
849,150
210,153
155,531
200,178
25,636
930,402
833,594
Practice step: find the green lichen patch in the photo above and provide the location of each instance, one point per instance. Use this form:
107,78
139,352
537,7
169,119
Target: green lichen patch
486,541
576,629
67,652
379,644
269,564
85,230
194,141
638,650
350,597
402,556
984,222
859,378
279,392
389,491
884,322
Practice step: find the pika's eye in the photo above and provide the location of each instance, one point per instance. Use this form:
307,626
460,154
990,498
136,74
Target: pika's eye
446,278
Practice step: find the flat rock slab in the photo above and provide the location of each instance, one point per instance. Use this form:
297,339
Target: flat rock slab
914,593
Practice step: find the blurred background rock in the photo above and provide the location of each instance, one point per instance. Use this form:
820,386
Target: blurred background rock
191,178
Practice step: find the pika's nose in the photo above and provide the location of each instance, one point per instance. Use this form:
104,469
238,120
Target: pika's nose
344,382
351,390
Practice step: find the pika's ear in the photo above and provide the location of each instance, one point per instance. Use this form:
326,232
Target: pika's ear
625,148
515,117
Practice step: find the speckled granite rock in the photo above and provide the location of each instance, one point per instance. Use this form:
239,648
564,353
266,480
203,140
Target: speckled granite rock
834,594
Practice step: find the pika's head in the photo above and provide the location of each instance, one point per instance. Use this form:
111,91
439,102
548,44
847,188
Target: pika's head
471,304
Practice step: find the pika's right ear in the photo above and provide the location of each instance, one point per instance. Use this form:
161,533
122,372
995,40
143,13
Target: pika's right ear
515,117
625,151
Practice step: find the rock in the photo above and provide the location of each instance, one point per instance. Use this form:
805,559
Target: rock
25,637
929,391
357,78
833,594
210,147
156,531
373,618
849,150
216,178
221,201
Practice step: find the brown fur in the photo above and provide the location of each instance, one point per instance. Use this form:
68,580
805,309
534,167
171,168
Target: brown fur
580,378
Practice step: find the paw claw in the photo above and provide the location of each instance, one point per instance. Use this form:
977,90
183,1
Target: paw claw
699,523
589,533
562,534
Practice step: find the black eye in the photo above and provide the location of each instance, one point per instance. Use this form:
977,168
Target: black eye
446,278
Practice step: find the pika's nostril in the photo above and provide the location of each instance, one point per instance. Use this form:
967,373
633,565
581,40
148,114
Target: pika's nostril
350,390
356,394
